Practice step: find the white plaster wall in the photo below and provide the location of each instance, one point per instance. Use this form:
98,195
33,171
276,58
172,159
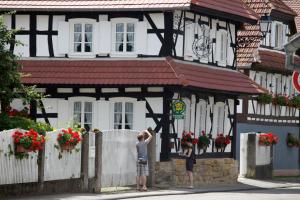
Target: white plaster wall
179,46
7,21
17,104
42,22
42,48
158,19
22,50
153,44
22,22
157,106
56,19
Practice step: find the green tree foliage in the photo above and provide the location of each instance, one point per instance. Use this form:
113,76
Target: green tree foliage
10,76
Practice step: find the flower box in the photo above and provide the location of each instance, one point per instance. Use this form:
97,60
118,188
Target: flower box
21,149
67,147
68,139
221,142
267,139
28,141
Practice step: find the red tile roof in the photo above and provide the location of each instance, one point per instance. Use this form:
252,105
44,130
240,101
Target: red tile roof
295,5
136,72
279,5
262,7
233,7
270,60
245,54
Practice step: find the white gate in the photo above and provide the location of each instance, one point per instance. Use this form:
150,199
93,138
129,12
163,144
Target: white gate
119,158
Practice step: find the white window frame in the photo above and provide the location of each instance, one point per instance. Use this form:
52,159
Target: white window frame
72,100
82,21
123,101
114,22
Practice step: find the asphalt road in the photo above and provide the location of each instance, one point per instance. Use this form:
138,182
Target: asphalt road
262,194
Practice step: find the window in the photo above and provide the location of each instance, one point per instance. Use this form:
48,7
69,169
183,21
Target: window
123,115
279,35
83,114
124,37
83,37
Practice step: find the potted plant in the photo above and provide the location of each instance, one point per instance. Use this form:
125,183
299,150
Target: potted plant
264,98
28,141
291,140
267,139
187,137
281,100
203,142
221,142
68,139
295,101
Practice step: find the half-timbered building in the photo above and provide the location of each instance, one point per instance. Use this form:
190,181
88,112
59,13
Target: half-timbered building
261,56
120,64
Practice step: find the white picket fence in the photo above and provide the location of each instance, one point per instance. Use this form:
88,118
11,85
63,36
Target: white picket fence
14,170
118,160
60,165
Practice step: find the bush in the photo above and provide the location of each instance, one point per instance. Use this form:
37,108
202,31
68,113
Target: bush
7,123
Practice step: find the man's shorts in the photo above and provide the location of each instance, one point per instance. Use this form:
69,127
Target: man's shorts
141,169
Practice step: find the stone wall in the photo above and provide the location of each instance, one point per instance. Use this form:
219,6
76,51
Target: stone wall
206,171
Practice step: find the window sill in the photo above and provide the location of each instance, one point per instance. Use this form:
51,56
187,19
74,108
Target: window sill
82,55
123,55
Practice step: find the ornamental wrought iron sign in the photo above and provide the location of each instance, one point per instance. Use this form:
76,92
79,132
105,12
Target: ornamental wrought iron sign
178,109
202,45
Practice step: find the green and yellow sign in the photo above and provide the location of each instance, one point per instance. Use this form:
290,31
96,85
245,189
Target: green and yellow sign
178,109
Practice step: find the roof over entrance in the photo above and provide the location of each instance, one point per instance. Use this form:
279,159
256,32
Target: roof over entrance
142,72
233,7
270,60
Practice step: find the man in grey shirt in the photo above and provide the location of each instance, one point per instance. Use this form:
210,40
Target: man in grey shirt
142,159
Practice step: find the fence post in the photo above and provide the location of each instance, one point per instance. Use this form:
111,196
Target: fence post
41,168
152,159
85,162
98,161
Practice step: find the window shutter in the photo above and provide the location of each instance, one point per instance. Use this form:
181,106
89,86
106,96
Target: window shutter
141,37
273,34
63,37
139,116
218,45
63,114
189,39
104,37
103,115
280,35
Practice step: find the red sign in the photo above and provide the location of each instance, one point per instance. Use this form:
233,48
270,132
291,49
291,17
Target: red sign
295,79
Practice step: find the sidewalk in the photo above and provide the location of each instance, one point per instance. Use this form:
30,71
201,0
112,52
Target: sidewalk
129,193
